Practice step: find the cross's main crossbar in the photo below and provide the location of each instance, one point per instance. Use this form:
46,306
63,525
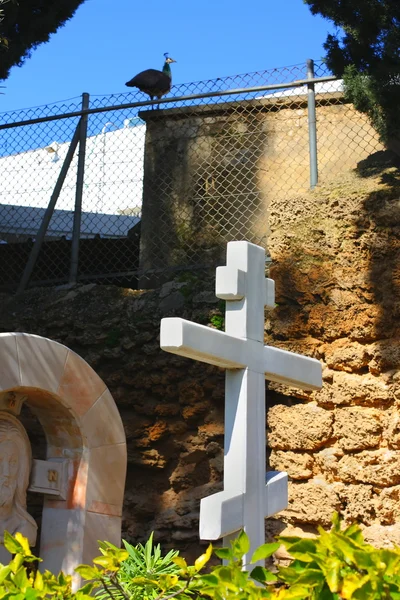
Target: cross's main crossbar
214,347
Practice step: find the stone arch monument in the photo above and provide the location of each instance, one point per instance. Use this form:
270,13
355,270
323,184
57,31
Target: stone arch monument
83,478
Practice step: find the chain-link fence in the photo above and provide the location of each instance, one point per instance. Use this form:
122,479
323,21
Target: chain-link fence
150,189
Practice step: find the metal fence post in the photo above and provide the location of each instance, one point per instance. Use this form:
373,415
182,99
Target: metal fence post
312,125
30,265
73,274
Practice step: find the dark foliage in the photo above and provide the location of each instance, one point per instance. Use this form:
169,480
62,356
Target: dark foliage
28,23
365,51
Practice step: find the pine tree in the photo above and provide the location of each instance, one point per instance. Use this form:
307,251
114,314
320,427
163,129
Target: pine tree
365,51
25,24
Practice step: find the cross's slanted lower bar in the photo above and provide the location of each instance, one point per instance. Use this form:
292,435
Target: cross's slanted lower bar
250,495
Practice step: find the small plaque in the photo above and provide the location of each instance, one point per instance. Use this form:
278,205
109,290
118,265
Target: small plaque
49,477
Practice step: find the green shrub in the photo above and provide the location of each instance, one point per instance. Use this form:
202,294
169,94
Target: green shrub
331,566
20,581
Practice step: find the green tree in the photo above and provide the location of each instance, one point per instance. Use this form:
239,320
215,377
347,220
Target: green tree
25,24
365,51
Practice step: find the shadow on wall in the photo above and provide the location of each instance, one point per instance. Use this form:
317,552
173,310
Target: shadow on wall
379,233
114,261
201,186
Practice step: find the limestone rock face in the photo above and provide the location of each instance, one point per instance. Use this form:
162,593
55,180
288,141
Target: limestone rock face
301,427
297,464
313,502
378,467
338,289
359,503
382,536
357,428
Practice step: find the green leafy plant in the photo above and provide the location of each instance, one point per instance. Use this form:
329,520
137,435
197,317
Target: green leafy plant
339,564
218,317
334,565
19,581
218,321
144,562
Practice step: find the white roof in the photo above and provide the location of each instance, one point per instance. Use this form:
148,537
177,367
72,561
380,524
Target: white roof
325,87
113,183
26,220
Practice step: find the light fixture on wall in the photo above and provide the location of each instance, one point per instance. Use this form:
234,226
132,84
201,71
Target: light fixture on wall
106,125
52,149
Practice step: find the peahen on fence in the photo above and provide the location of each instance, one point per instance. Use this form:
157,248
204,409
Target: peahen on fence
152,82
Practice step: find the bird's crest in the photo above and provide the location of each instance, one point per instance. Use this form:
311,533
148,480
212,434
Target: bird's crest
168,60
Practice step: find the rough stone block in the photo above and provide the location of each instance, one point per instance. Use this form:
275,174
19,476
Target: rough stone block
300,427
357,428
392,428
157,431
327,322
312,502
358,502
385,356
377,467
190,392
194,411
382,536
149,458
173,302
187,476
344,355
327,462
388,506
348,388
296,464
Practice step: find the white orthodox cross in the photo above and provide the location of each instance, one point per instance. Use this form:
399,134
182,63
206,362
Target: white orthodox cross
249,496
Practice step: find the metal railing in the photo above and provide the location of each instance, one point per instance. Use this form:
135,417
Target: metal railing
154,191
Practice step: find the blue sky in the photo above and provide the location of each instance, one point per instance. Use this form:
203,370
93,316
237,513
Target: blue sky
106,43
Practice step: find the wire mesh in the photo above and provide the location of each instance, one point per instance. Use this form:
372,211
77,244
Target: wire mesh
345,136
165,188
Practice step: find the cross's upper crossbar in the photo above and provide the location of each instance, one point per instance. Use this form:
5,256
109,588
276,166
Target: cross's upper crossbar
214,347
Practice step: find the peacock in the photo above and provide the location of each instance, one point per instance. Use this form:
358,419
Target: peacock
152,82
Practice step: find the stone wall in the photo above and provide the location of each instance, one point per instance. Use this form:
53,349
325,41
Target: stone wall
335,255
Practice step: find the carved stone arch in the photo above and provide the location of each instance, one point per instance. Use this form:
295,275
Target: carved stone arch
83,431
